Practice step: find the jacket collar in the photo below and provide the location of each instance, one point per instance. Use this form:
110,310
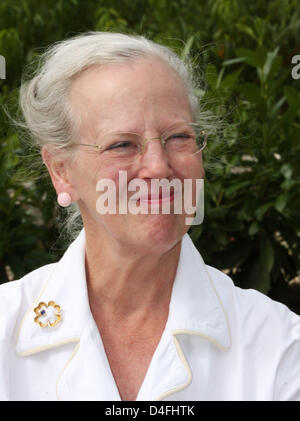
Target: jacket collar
66,285
195,307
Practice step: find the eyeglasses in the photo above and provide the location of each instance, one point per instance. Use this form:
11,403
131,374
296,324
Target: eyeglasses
180,139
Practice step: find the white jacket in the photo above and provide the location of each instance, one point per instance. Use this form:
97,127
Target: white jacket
220,342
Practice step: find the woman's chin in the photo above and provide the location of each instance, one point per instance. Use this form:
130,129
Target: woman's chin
143,234
159,233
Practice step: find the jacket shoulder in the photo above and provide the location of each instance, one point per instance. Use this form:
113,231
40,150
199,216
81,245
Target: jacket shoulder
16,296
247,298
252,309
267,329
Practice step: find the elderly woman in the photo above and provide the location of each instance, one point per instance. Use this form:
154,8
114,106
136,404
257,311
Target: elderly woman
131,311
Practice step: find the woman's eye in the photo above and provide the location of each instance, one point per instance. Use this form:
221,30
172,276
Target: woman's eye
179,136
124,144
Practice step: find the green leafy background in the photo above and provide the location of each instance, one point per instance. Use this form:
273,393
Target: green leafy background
244,49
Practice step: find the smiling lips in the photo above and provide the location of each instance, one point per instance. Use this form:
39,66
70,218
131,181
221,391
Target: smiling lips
158,198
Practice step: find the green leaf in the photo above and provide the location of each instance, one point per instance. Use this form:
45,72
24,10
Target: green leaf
261,210
187,48
246,29
231,79
281,202
251,92
275,109
260,25
236,186
287,184
286,170
220,76
211,75
269,62
234,61
255,58
291,94
254,228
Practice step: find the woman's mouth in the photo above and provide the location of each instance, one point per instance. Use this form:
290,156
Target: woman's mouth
162,197
154,199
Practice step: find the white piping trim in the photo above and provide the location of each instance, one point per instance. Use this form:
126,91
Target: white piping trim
191,332
184,360
221,304
46,347
210,338
186,366
65,366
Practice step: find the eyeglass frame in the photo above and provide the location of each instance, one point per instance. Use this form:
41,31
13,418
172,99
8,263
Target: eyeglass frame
163,141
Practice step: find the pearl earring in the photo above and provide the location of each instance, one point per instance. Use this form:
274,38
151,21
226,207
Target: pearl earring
64,199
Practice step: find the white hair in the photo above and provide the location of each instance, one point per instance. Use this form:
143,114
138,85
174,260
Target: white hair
44,99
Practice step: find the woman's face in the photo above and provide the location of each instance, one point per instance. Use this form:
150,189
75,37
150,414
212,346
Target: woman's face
145,97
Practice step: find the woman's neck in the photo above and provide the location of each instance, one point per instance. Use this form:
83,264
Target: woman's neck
126,283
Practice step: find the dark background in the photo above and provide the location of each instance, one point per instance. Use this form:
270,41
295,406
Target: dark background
244,50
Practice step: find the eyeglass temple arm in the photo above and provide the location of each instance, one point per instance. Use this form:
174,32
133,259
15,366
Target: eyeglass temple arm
99,147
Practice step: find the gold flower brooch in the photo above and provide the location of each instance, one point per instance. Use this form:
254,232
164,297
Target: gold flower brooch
47,314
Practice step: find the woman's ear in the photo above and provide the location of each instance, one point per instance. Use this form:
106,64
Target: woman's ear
58,168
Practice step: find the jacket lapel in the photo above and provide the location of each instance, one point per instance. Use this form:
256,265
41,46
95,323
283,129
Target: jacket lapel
87,375
66,286
195,306
195,309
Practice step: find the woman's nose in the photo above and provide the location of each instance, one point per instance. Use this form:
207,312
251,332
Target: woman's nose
154,160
